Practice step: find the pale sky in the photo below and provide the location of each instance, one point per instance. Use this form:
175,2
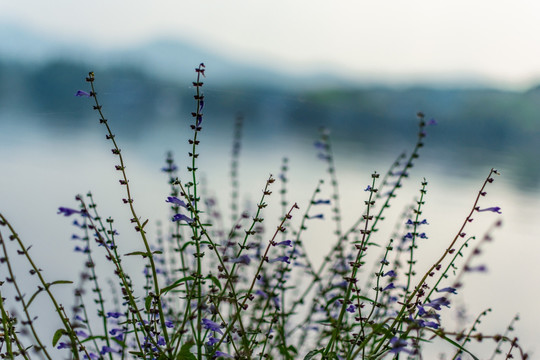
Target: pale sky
496,42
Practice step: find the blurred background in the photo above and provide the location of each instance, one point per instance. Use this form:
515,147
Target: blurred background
360,69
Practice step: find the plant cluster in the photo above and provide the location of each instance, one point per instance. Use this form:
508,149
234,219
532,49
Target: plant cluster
247,290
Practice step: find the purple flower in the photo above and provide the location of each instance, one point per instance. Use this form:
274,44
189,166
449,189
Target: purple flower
169,324
351,308
368,188
284,243
479,268
495,209
169,168
280,258
176,201
261,293
432,122
82,93
212,341
63,345
431,324
319,145
106,349
437,303
399,345
81,333
448,289
210,325
68,211
318,202
179,217
389,286
390,273
318,216
242,259
161,341
222,354
114,314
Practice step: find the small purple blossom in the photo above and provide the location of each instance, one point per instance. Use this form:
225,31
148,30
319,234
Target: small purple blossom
351,308
448,289
180,217
106,349
390,273
212,341
432,122
63,345
242,259
399,345
319,202
222,354
389,286
114,314
320,145
169,168
479,268
280,258
437,303
210,325
68,211
318,216
82,93
284,243
176,201
494,209
368,188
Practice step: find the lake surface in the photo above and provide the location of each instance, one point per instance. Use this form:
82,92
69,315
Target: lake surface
44,168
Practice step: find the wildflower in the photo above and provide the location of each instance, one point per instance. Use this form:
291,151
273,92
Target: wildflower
82,93
63,345
448,289
320,145
368,188
161,341
210,325
479,268
222,354
280,258
68,211
389,286
115,315
81,333
284,243
106,349
318,216
399,345
437,303
318,202
242,259
495,209
176,201
432,122
212,341
431,324
390,273
351,308
169,168
179,217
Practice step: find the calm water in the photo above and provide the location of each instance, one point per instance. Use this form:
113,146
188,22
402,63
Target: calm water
42,169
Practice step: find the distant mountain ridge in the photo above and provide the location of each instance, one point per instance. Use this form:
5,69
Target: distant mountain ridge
169,59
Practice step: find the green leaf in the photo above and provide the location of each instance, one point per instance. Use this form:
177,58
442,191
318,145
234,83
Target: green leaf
185,353
215,281
456,345
148,302
61,282
141,253
175,284
40,289
57,335
312,353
